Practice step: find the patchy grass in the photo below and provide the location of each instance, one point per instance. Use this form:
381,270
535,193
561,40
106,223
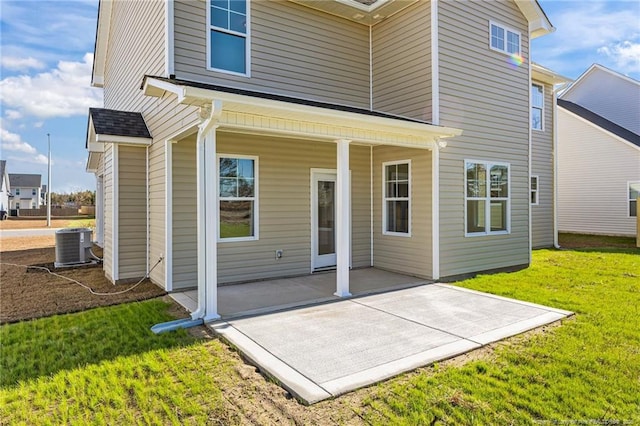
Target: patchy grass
82,223
105,367
587,370
583,241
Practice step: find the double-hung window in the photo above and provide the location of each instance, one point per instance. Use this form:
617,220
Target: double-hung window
487,198
537,106
228,36
534,190
397,198
238,198
17,191
33,191
504,39
634,193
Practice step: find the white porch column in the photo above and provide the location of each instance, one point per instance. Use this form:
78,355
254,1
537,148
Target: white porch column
207,172
343,234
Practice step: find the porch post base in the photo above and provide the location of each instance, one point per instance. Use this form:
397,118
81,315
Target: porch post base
342,294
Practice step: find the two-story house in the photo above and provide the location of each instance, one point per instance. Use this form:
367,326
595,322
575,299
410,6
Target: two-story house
248,140
25,190
5,190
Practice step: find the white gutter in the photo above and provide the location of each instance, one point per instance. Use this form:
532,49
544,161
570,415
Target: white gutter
148,210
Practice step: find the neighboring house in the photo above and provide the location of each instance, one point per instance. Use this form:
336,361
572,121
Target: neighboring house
5,187
25,190
544,86
259,139
599,154
43,195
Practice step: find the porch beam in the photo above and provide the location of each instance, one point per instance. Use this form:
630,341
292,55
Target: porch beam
343,233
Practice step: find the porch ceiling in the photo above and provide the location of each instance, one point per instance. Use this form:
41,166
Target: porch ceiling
251,112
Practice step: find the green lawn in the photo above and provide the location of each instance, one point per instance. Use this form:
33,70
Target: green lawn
104,366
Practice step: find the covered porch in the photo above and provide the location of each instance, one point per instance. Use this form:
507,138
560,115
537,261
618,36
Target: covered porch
255,298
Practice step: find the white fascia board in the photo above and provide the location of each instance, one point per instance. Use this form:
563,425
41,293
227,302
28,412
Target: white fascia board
102,41
124,140
539,24
93,161
95,146
545,75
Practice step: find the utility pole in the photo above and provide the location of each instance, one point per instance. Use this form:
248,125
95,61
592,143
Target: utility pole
49,184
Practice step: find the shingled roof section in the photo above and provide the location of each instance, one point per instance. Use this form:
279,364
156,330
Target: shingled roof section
18,180
601,122
118,123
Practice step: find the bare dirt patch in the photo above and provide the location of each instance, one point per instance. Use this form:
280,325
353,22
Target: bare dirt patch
28,293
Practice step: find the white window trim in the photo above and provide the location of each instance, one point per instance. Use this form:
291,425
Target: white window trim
384,199
537,190
541,129
247,36
506,29
256,209
488,165
629,199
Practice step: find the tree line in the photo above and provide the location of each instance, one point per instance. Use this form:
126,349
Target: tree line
79,198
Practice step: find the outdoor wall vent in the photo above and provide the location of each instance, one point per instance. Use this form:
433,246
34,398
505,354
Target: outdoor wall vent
73,247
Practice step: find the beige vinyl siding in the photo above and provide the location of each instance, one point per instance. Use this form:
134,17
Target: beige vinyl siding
284,198
185,208
326,58
407,255
132,221
483,94
542,166
402,63
594,168
136,49
107,252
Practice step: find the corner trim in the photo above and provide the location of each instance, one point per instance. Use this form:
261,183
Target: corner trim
435,66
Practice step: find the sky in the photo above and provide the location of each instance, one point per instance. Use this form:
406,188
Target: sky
46,54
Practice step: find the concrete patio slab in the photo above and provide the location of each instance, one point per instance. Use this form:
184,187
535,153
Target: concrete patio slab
323,351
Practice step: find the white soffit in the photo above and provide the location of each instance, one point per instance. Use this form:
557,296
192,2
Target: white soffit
102,41
367,14
244,113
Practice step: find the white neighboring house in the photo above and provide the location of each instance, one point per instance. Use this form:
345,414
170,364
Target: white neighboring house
25,190
5,187
599,154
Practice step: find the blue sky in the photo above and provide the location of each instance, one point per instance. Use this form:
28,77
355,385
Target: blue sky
46,58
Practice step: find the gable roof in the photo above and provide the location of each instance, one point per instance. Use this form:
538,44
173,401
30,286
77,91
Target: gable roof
19,180
590,71
601,122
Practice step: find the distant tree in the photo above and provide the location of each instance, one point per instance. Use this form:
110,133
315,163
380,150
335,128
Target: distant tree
79,198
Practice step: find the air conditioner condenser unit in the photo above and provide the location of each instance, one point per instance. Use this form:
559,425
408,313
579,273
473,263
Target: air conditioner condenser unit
73,247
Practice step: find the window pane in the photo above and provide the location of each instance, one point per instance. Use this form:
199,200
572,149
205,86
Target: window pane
391,190
534,183
403,189
228,187
228,167
398,216
499,181
238,23
536,118
498,216
475,216
223,4
403,171
245,168
537,95
326,218
236,219
239,6
228,52
476,180
634,190
219,18
513,42
245,187
391,172
633,208
497,37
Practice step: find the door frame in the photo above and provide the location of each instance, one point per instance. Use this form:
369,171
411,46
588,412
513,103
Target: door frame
313,196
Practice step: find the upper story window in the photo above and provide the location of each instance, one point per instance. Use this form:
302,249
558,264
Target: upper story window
17,191
228,36
504,39
33,191
238,210
634,193
397,198
537,106
487,198
534,190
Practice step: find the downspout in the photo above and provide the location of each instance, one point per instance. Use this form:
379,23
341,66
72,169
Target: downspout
530,163
556,243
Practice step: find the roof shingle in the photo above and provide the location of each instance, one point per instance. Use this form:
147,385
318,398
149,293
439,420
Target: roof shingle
18,180
118,123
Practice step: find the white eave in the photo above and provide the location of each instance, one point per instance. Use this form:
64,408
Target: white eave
545,75
250,114
539,24
102,40
355,11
